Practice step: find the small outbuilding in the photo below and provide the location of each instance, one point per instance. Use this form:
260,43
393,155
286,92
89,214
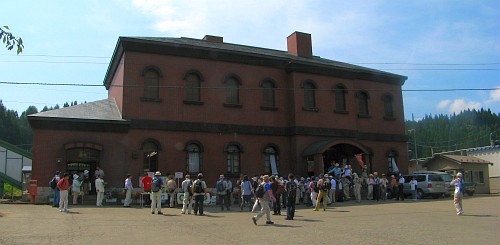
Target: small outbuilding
474,169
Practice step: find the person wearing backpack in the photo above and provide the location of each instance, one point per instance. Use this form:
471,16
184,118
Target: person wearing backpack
323,186
264,199
291,190
187,201
221,187
458,182
199,190
156,186
53,185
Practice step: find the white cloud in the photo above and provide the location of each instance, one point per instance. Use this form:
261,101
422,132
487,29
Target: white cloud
459,105
494,96
443,104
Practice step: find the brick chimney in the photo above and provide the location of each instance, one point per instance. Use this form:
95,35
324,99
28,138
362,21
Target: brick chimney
214,39
299,44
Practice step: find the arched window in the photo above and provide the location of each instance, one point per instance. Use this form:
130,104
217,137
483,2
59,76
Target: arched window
193,86
150,149
232,85
193,157
391,161
388,107
151,76
268,94
340,93
363,104
271,160
310,95
233,153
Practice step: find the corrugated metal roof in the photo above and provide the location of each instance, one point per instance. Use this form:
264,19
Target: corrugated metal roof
465,159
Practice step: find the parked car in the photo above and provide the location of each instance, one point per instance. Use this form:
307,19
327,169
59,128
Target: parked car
430,184
470,187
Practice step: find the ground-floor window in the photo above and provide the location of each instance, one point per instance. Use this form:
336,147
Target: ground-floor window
474,176
150,157
233,152
271,161
193,155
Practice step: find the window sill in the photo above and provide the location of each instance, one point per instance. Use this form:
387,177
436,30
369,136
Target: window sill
312,109
341,112
269,108
389,118
193,102
155,100
232,105
364,116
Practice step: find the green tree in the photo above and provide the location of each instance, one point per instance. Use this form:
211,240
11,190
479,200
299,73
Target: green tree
10,40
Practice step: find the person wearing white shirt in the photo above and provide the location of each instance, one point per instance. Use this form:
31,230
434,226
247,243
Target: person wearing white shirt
401,182
331,193
187,201
99,188
75,188
459,193
413,186
128,189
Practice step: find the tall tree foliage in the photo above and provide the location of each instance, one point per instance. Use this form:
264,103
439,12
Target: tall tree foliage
442,133
10,40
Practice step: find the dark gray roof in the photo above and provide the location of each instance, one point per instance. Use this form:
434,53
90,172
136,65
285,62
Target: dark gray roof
98,110
271,53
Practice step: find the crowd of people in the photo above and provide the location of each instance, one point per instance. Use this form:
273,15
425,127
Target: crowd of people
269,193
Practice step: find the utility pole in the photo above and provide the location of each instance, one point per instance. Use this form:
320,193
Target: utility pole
415,144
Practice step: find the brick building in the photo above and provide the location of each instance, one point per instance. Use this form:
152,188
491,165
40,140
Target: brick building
190,105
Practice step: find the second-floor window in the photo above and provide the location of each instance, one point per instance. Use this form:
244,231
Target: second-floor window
388,107
151,84
363,104
268,94
310,95
193,87
340,103
232,91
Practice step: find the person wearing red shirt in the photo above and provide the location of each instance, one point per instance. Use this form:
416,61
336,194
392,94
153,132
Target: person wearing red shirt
63,186
146,183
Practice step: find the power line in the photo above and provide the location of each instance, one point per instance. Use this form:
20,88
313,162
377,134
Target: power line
54,62
242,88
57,56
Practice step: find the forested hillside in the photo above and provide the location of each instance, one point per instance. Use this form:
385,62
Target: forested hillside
15,129
441,133
433,133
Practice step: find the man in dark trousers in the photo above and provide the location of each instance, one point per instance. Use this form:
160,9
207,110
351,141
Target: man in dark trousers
401,182
291,190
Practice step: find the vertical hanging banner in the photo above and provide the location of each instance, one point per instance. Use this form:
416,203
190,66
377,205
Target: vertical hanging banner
274,168
359,157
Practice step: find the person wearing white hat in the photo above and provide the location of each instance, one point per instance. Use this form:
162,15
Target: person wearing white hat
99,188
75,188
458,182
156,186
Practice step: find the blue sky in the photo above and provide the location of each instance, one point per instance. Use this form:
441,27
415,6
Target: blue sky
440,44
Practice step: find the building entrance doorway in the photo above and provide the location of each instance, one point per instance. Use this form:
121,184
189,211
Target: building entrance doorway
343,154
83,162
